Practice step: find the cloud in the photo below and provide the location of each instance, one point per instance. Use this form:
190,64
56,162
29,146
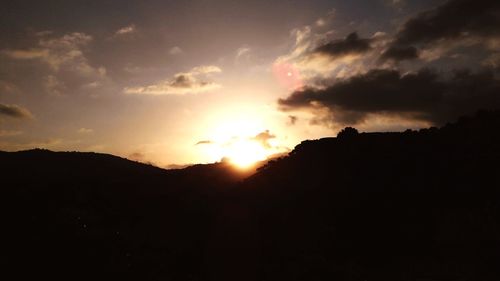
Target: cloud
347,82
320,22
204,142
396,4
493,61
51,143
9,133
318,55
292,119
8,88
175,51
194,81
351,44
205,69
26,54
53,86
455,21
14,111
399,53
421,96
60,53
137,156
242,51
263,138
127,30
85,131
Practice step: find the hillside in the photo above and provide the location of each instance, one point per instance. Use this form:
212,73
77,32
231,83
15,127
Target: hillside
417,205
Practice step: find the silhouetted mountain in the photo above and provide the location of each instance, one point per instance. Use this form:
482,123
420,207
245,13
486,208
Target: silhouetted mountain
416,205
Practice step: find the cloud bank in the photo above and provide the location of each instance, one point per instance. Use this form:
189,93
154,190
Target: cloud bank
424,95
353,80
455,23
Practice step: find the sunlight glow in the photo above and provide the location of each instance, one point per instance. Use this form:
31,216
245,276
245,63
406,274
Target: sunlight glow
235,140
244,153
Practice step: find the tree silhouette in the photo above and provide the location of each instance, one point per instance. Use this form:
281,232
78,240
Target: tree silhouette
347,132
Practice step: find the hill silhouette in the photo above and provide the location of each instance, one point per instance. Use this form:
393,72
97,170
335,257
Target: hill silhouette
415,205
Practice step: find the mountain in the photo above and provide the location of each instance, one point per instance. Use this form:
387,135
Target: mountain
415,205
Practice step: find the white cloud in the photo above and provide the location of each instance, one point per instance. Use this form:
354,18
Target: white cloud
242,52
320,22
205,69
127,30
194,81
175,51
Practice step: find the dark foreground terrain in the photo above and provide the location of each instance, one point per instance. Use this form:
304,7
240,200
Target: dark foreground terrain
417,205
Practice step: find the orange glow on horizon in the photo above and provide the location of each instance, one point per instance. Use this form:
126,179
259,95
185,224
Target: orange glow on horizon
245,153
243,141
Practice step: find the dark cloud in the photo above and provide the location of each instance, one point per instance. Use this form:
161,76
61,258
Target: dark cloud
263,138
204,142
423,96
183,81
136,156
399,53
454,20
14,111
352,44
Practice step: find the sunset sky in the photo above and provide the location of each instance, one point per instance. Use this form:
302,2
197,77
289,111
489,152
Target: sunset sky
181,82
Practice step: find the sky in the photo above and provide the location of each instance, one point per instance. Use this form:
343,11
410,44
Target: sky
183,82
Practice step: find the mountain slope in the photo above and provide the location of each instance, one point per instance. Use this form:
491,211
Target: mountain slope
418,205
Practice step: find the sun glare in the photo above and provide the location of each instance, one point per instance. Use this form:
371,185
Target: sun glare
236,141
245,153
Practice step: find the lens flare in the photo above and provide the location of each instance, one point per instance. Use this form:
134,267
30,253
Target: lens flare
287,75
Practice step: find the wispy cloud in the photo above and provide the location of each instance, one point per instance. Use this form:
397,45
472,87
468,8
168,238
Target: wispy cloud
126,30
51,143
322,55
175,51
9,133
8,88
65,52
242,51
85,131
53,86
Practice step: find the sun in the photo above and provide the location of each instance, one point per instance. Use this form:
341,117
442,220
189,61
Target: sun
241,141
245,153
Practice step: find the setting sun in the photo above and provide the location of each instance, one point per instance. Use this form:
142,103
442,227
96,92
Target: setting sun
241,140
245,153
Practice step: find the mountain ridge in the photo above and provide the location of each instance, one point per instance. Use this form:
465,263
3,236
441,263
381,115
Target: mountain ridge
363,206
